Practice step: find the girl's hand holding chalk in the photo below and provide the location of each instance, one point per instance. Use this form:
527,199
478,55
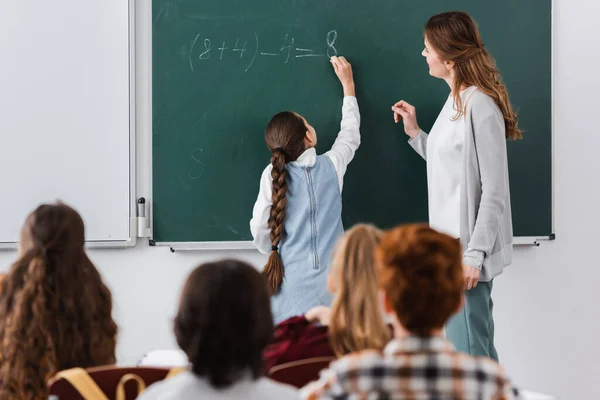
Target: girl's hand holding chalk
343,70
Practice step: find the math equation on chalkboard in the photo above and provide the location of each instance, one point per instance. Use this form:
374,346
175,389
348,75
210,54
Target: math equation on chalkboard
246,51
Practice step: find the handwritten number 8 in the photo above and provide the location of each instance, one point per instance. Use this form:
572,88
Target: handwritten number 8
331,38
208,46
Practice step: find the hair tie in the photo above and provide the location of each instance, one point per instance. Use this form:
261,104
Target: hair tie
273,248
280,149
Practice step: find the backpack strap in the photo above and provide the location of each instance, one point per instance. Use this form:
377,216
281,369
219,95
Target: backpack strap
141,384
89,389
174,371
126,378
83,383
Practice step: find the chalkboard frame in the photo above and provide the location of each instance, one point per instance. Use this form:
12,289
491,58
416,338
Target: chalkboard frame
518,240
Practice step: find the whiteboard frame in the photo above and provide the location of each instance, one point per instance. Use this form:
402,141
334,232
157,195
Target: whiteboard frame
132,240
201,246
518,241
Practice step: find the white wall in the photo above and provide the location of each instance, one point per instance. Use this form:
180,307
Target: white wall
548,326
547,302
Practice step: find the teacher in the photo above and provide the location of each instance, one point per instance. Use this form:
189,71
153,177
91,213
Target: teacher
467,168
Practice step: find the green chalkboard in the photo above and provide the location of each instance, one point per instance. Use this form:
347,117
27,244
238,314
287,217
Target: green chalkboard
222,68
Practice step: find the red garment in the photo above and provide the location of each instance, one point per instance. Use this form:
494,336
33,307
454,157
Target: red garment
296,339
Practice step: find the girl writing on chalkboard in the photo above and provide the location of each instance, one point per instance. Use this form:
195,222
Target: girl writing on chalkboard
467,168
297,217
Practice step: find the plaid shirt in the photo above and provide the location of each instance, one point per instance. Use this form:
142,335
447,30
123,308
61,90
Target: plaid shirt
412,369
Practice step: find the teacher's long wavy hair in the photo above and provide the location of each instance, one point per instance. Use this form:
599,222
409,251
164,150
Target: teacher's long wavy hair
455,37
55,310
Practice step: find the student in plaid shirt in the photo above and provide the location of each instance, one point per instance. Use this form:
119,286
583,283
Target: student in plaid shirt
421,276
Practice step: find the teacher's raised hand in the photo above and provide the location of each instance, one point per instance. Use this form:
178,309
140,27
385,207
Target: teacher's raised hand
408,114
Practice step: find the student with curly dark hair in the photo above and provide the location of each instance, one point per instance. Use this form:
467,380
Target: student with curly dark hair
55,310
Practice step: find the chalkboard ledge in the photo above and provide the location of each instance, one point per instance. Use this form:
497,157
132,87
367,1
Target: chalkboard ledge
247,245
531,240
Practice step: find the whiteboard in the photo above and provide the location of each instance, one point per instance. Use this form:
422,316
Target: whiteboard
66,120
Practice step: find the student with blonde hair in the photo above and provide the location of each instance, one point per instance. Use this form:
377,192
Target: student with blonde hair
355,320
